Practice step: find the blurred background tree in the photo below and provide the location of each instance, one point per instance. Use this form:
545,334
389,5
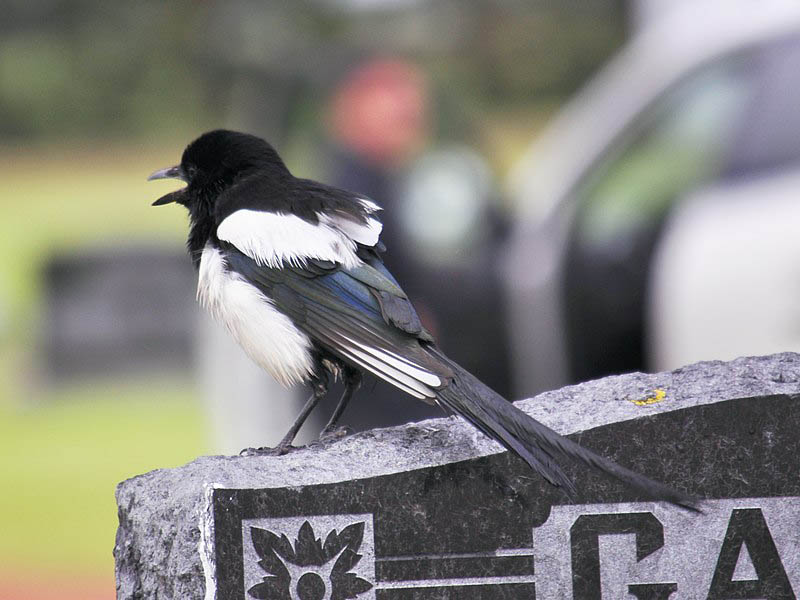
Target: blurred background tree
87,69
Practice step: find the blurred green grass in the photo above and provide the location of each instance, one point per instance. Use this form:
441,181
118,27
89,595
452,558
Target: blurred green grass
62,460
64,449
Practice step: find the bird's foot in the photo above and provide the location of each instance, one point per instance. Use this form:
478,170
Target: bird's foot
278,450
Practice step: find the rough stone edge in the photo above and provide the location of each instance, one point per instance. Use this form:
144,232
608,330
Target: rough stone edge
450,439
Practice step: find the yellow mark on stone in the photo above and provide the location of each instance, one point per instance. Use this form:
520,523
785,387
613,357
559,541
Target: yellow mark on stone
658,396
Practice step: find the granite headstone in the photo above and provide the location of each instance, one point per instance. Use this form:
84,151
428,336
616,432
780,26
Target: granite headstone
435,510
117,310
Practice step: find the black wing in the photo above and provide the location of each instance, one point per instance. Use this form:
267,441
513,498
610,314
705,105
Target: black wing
360,315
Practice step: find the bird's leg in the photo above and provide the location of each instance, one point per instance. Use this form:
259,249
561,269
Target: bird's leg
319,386
352,381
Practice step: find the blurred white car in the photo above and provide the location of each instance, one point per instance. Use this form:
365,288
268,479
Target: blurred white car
657,215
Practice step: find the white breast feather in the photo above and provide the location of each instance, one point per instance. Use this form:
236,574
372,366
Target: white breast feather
268,336
272,239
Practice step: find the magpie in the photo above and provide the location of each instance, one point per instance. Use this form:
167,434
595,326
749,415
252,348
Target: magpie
292,268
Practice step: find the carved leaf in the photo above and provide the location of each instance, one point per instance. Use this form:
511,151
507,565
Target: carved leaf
332,545
264,543
349,585
352,535
346,561
270,589
285,550
308,549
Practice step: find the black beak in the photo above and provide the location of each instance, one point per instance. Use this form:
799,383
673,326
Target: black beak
169,173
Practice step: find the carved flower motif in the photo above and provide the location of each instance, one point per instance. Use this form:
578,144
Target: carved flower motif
310,570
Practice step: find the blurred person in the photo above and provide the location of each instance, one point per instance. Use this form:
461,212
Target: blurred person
380,123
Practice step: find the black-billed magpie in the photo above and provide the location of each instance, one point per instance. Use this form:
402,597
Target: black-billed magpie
293,269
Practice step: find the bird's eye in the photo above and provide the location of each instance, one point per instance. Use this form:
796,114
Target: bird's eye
191,171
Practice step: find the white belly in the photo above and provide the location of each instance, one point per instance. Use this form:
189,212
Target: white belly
268,336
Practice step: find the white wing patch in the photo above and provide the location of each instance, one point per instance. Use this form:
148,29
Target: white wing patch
391,367
268,336
400,363
389,374
272,239
366,234
369,205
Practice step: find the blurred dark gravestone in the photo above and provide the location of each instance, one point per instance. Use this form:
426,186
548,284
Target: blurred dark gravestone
116,310
433,510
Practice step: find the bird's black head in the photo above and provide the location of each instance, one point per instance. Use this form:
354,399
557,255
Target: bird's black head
210,165
215,161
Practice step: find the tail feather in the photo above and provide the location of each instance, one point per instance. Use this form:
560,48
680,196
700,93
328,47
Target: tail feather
537,444
510,436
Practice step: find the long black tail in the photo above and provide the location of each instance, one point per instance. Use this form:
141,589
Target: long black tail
538,445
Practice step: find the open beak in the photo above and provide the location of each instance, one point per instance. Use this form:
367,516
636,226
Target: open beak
169,173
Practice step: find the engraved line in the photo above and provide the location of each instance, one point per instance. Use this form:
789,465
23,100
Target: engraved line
434,583
488,554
